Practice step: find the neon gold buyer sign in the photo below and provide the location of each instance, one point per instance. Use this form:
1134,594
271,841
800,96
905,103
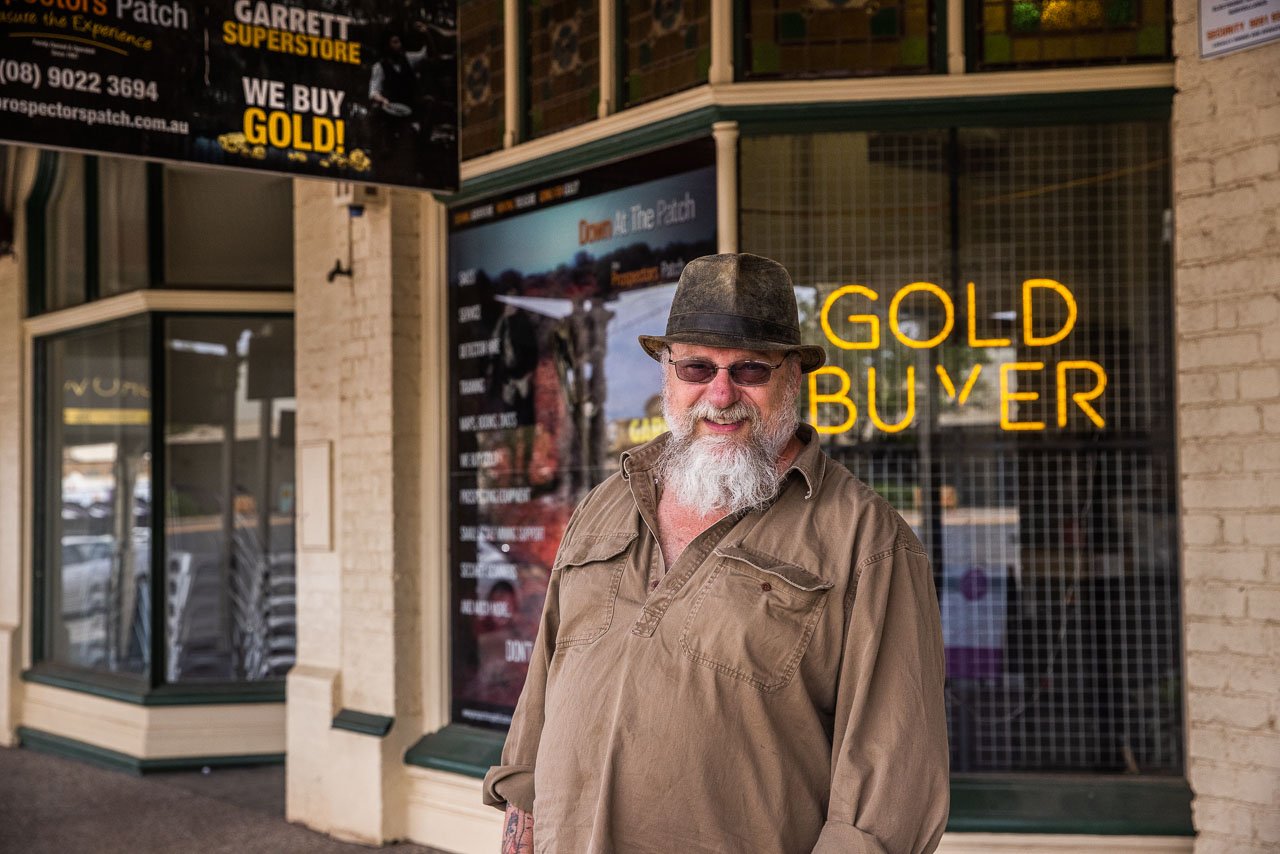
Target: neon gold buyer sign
1077,383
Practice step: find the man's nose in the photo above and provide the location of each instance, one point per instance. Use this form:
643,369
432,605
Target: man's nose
722,392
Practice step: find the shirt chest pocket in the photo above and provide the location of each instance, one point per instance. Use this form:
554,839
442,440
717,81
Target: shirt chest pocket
754,617
590,569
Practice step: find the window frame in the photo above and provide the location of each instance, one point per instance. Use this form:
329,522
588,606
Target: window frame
1030,803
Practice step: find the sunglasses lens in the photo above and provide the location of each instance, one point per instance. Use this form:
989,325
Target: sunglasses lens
695,372
750,373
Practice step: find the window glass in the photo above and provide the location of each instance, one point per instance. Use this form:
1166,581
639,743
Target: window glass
834,38
213,239
122,226
97,485
64,232
549,287
564,63
995,307
483,79
229,486
1038,33
668,47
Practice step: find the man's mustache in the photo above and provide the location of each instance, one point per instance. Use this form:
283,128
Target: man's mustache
738,411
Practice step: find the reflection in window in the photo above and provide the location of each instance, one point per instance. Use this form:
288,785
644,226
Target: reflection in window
564,64
832,38
668,47
995,306
64,231
1037,33
97,464
481,37
123,264
229,478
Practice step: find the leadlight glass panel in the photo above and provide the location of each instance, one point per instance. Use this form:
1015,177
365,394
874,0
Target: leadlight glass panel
668,47
995,303
1039,33
482,76
837,38
564,63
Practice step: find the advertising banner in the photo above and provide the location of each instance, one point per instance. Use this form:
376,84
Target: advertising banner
549,287
347,89
1227,26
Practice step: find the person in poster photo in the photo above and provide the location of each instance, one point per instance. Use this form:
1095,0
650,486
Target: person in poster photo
740,648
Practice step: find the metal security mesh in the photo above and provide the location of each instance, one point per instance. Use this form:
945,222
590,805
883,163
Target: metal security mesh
1006,291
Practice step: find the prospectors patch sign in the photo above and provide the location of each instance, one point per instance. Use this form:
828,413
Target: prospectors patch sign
350,89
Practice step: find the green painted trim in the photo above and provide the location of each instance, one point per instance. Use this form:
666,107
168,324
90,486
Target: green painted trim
1100,806
69,748
92,222
651,137
133,690
941,27
972,34
36,209
1049,109
155,225
364,723
458,748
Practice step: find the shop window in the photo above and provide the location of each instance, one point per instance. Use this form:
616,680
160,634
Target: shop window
995,304
101,226
155,572
563,41
668,47
1042,33
832,38
483,77
213,239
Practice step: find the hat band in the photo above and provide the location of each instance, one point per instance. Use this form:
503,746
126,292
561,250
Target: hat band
733,324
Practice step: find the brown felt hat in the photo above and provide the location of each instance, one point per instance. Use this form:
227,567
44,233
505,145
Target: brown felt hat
740,301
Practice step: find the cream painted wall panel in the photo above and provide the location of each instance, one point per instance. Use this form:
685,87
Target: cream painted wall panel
445,812
155,732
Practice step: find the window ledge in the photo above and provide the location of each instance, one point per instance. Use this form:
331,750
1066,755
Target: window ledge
130,691
458,748
1084,805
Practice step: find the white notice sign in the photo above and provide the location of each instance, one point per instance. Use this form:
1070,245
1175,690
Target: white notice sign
1230,25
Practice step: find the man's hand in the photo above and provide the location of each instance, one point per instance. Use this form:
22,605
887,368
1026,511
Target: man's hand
517,831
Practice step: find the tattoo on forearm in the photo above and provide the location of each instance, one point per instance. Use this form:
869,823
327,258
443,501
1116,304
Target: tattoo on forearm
517,832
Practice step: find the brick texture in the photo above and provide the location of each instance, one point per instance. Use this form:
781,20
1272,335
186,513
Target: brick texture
1226,131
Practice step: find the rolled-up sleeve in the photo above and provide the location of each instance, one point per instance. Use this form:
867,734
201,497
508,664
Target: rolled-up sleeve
889,766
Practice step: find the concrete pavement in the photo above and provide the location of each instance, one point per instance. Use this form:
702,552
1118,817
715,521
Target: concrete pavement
49,804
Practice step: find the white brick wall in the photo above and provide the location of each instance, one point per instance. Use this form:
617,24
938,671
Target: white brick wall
1226,141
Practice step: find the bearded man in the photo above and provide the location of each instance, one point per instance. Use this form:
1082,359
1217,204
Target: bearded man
740,649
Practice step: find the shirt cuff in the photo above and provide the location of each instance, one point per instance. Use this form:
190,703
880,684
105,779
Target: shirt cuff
840,838
509,784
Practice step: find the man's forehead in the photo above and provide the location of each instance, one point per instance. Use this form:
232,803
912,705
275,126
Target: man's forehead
722,355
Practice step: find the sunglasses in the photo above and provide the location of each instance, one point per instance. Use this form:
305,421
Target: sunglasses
702,371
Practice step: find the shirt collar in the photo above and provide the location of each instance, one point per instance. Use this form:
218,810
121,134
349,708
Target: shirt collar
807,463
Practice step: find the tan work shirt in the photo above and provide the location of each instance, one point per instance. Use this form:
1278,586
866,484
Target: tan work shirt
778,689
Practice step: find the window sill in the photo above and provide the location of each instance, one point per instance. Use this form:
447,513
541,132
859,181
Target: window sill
132,691
1076,804
459,749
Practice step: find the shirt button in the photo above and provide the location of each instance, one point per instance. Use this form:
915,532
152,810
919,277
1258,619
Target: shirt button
766,587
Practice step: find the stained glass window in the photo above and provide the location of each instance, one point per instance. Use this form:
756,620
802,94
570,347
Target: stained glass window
1037,33
482,76
668,47
564,63
836,38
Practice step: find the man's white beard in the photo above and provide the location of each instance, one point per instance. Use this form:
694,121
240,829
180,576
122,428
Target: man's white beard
725,473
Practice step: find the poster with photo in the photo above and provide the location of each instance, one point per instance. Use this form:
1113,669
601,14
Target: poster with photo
548,289
347,89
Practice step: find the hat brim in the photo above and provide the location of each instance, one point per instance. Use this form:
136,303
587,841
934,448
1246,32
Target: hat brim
811,356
